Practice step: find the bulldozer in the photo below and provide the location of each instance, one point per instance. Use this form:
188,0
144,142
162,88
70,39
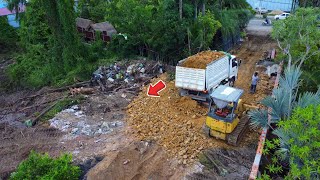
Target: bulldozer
227,118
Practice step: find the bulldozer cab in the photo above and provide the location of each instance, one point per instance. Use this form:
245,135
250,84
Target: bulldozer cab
225,120
224,103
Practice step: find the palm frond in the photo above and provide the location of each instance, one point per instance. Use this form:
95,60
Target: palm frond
278,103
291,80
258,117
308,98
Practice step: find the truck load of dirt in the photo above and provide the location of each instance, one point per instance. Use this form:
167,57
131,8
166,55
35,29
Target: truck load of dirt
202,59
172,121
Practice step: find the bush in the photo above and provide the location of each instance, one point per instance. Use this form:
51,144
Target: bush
38,166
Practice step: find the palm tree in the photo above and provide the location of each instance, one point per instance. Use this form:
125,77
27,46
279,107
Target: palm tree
281,104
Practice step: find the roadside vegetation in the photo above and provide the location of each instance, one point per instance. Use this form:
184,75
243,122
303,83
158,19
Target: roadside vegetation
42,166
290,149
54,54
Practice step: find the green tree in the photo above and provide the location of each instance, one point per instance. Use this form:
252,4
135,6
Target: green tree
53,53
300,133
38,166
8,35
298,36
93,9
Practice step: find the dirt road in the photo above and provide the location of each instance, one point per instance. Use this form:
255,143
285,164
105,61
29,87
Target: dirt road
250,52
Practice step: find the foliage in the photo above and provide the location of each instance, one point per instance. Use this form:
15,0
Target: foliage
8,35
61,105
297,144
154,29
298,37
301,135
38,166
93,9
53,53
284,99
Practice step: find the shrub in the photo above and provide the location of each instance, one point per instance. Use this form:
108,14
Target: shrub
38,166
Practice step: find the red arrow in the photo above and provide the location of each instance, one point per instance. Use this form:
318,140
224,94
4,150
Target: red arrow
155,89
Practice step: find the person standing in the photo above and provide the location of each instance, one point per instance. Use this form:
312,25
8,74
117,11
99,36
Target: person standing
254,82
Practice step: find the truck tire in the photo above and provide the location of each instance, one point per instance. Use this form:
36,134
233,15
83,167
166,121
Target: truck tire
231,82
183,92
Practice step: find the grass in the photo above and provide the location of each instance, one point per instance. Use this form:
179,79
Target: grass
61,105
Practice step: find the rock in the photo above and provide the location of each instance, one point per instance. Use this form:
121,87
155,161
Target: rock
105,125
75,131
126,162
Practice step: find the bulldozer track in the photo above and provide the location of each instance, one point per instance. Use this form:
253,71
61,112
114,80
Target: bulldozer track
235,137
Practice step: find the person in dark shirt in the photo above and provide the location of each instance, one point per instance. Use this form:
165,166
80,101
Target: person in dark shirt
254,82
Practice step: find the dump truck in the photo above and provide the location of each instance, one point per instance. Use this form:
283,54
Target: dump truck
227,117
199,83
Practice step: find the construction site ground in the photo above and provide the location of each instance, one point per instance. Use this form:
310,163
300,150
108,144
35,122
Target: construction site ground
125,134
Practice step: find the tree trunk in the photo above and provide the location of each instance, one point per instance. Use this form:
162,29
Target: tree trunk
180,9
203,7
195,9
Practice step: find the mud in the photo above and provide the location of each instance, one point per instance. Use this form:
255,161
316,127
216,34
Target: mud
202,59
139,160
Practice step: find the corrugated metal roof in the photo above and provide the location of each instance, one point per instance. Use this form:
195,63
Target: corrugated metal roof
104,26
226,93
84,23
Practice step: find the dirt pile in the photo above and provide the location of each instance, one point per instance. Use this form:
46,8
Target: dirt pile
201,59
174,122
139,160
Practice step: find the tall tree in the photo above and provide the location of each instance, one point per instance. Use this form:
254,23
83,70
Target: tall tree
298,36
180,8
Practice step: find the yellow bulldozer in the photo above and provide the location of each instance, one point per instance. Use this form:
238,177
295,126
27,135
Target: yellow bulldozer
227,119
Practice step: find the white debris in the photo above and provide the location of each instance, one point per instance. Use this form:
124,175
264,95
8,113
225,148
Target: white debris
75,123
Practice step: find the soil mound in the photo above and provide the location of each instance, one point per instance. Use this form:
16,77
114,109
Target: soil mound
202,59
139,160
174,122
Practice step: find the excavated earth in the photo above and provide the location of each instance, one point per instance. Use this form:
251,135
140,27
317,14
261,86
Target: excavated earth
158,138
202,59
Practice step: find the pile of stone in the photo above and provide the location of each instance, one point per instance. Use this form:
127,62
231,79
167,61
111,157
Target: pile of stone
75,123
172,121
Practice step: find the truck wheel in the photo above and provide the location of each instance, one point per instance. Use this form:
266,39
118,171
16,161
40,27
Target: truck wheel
231,83
183,92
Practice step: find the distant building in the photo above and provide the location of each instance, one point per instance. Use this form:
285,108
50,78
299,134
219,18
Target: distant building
283,5
11,15
89,29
